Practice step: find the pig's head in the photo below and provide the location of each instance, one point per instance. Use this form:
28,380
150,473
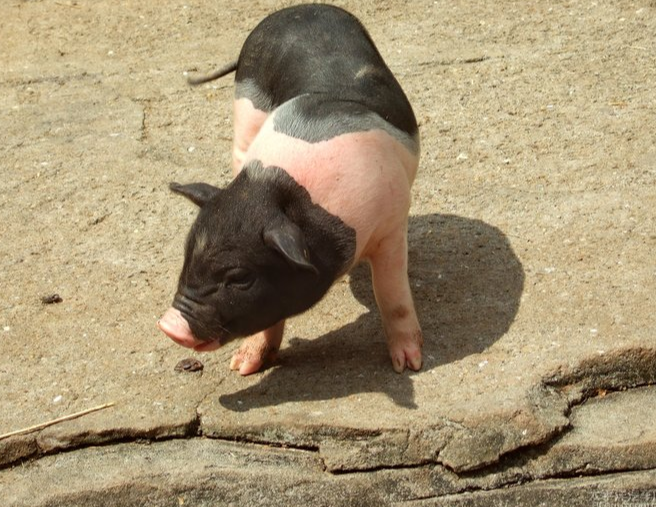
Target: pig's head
258,252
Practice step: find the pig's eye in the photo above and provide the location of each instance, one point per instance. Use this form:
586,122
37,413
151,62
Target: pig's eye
239,278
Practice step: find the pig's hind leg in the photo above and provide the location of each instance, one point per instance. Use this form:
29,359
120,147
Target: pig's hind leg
258,349
389,266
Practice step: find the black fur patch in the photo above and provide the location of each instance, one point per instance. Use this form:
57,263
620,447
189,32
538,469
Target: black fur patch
237,278
323,53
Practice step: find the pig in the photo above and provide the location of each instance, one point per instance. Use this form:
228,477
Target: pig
325,151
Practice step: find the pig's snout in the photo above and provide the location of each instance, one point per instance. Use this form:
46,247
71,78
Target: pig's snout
176,327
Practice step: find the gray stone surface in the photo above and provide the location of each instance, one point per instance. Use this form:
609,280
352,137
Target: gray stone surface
610,433
531,259
624,489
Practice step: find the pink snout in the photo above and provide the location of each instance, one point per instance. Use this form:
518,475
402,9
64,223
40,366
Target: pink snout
176,327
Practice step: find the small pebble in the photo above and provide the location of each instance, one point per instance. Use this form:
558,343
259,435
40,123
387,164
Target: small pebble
189,364
51,299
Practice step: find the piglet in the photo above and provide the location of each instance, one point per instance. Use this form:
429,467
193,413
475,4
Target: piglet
325,151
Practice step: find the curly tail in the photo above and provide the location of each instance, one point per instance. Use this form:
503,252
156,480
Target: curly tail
227,69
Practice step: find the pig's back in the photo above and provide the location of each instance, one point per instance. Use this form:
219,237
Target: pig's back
324,54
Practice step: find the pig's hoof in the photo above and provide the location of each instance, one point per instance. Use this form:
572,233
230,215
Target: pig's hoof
411,359
407,353
254,353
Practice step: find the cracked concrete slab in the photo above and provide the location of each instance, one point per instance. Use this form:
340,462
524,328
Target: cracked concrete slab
609,434
531,259
635,488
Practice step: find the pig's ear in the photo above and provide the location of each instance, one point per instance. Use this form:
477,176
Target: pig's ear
287,238
198,193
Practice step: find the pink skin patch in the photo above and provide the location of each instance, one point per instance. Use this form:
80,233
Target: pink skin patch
175,326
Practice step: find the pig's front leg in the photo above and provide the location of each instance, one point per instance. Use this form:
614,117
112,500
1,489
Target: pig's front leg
389,265
258,349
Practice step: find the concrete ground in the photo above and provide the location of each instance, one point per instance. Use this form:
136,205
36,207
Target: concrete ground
532,243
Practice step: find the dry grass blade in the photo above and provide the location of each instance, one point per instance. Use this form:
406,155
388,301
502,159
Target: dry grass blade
56,421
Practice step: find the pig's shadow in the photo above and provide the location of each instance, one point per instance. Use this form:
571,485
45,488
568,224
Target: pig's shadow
467,284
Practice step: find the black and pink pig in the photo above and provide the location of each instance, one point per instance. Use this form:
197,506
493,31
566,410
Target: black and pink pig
325,151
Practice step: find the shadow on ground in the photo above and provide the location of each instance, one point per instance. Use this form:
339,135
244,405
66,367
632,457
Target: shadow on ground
467,283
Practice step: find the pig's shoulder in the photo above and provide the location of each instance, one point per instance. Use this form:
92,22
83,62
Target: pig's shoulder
316,117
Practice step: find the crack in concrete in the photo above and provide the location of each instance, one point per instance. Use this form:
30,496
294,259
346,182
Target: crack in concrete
145,105
512,473
457,61
551,405
57,79
596,377
111,439
517,484
613,371
506,461
456,484
276,445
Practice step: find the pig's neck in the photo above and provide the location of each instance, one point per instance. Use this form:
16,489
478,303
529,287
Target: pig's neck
331,242
343,174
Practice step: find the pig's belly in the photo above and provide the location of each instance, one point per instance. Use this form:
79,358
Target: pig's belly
364,178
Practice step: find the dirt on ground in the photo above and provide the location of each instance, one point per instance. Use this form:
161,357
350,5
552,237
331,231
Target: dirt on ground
532,233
